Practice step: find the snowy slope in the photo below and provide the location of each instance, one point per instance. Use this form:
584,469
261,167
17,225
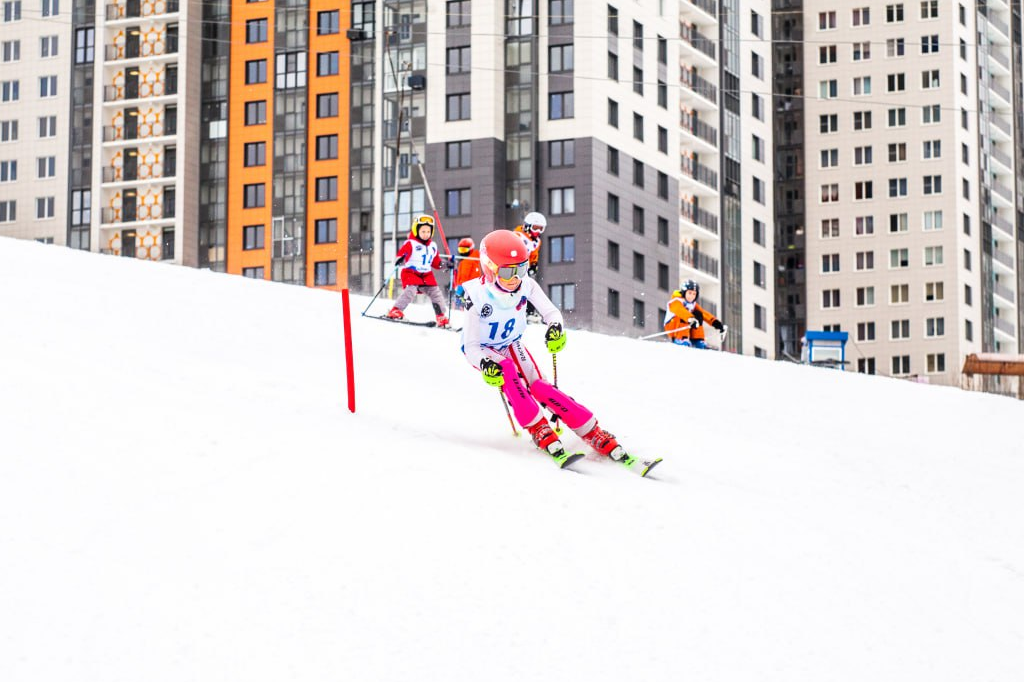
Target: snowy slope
184,497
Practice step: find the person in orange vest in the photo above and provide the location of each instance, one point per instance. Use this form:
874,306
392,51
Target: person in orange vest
468,268
531,231
684,319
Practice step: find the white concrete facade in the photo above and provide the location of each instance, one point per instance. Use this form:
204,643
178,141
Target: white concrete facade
35,57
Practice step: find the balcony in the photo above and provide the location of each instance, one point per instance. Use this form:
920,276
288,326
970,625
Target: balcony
1000,125
135,9
695,215
698,261
1002,158
1006,327
707,14
1001,191
699,46
1003,224
695,170
691,82
1004,293
1000,60
1002,258
1002,93
698,129
1002,32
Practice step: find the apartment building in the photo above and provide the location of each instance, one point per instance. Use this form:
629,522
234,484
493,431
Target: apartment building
35,53
912,211
606,120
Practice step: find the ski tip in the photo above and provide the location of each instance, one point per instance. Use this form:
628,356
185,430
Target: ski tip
649,465
569,459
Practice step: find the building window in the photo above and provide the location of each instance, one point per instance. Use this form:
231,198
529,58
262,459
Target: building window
864,225
326,230
929,9
253,273
895,47
255,71
48,46
897,152
757,106
458,13
639,318
826,21
931,114
865,260
900,365
829,123
252,237
663,276
51,8
638,220
830,262
828,54
10,91
81,207
561,153
896,82
861,16
12,11
828,89
894,13
662,185
47,126
458,154
862,53
613,66
457,108
759,232
930,45
830,193
897,117
935,363
613,21
46,167
563,296
863,190
85,40
638,173
256,154
326,64
899,329
613,303
8,171
899,258
255,113
458,202
562,200
760,275
663,140
759,190
326,147
862,120
934,291
560,58
899,294
560,12
932,255
10,51
326,105
862,85
932,184
560,105
562,249
830,298
8,211
865,331
45,207
327,189
830,228
865,296
325,273
613,113
638,127
638,267
638,80
256,30
756,65
862,156
613,161
613,256
897,187
328,23
254,196
457,59
613,208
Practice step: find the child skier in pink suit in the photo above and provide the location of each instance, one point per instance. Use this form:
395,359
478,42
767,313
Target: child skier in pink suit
492,342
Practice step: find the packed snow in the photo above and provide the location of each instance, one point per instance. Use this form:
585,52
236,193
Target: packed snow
184,496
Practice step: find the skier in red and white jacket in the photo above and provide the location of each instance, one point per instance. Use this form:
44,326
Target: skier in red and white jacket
419,257
492,343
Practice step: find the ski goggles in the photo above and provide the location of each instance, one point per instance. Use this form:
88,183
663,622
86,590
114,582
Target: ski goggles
464,251
507,272
536,229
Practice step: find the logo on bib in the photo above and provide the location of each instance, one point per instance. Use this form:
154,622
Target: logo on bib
486,310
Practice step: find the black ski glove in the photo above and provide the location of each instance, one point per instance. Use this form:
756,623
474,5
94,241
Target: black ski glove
492,373
717,324
696,321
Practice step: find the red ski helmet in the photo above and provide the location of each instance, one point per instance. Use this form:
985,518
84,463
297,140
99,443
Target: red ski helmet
466,245
504,258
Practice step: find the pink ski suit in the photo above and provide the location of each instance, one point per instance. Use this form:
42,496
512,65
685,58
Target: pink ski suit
494,326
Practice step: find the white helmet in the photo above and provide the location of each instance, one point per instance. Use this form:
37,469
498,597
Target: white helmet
535,222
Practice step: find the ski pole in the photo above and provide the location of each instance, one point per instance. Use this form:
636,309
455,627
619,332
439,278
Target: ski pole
386,279
554,372
504,401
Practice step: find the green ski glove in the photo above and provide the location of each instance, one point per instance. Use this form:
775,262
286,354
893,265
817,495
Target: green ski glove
555,338
491,372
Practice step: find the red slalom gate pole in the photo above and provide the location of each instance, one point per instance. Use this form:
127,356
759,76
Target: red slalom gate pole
349,364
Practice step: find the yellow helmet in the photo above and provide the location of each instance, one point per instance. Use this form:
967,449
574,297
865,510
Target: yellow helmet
418,222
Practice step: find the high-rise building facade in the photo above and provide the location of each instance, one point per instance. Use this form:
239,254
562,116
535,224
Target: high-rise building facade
35,58
913,211
606,120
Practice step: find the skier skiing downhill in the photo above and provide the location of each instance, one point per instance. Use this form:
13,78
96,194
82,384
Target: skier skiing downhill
419,254
468,268
684,318
531,230
492,343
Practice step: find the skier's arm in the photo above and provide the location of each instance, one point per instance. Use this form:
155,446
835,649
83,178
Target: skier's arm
545,308
471,336
403,254
711,319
